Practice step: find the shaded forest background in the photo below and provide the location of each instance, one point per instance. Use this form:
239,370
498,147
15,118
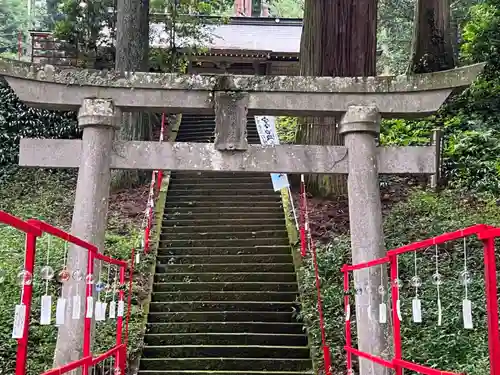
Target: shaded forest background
469,32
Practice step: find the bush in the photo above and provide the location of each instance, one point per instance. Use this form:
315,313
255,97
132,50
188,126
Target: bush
18,120
448,347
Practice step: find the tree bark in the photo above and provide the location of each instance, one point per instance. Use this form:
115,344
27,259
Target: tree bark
338,39
132,55
432,48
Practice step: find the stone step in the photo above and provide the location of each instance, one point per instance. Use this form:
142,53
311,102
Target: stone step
221,184
235,242
221,259
225,250
240,364
226,327
195,220
236,226
272,211
238,180
225,268
226,277
187,198
210,372
209,295
226,286
204,306
240,206
223,191
219,174
227,351
232,338
221,316
209,235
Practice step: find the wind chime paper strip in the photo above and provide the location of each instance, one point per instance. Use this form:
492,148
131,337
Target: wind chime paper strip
19,320
467,314
46,310
348,313
77,307
97,312
121,308
440,313
398,310
382,313
417,310
90,307
60,311
266,127
112,310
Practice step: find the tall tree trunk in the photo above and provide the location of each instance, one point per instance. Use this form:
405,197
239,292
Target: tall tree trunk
432,48
338,39
132,55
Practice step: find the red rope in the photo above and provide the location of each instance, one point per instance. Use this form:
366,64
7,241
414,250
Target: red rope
312,248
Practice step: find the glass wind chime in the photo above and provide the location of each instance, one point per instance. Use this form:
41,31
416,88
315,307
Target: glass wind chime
437,281
47,274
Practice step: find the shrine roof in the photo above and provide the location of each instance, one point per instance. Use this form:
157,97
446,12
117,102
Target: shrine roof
273,35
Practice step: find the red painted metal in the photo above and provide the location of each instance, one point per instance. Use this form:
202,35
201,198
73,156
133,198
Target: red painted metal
490,278
347,312
87,324
129,302
69,367
302,231
32,232
119,320
484,232
27,296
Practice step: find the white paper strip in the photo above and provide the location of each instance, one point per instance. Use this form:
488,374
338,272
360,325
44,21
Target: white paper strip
104,307
19,319
398,310
382,313
137,258
121,308
77,307
60,311
467,314
98,311
417,310
112,310
46,310
440,312
348,313
90,307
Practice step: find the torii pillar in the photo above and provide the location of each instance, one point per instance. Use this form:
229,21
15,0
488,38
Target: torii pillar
361,101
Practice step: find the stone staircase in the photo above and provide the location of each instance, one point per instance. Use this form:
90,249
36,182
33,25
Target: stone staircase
225,287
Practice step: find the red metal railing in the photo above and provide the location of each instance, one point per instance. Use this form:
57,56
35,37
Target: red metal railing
307,244
154,188
486,234
34,229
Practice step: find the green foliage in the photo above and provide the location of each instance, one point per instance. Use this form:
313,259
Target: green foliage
12,18
448,347
18,120
286,127
49,197
287,8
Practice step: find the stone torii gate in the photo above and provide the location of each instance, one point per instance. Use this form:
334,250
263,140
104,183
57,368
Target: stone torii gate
361,101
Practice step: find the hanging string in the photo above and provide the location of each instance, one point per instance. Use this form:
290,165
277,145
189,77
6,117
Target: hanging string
49,243
465,277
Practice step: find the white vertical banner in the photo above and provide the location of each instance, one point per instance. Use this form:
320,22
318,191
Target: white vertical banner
266,127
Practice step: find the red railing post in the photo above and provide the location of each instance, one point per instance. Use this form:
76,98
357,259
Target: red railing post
396,326
89,305
347,318
119,319
302,208
490,277
27,294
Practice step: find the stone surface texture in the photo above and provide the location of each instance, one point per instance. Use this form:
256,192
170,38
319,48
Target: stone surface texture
185,156
89,214
231,109
360,125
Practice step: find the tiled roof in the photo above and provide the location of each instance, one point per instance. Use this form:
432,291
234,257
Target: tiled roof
242,33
